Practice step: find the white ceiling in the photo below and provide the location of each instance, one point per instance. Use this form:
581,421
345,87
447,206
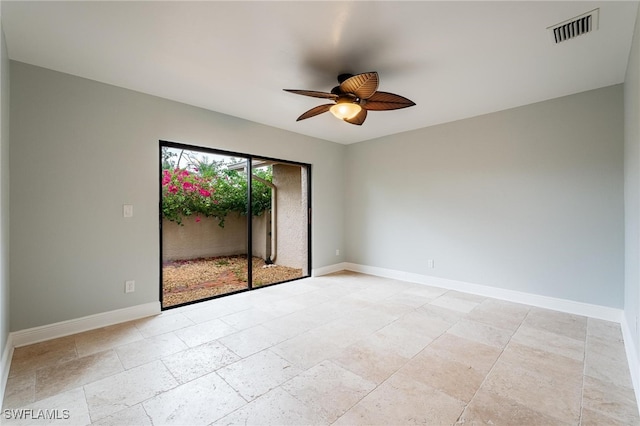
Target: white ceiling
454,59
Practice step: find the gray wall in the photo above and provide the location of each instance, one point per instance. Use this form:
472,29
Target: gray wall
4,194
632,186
80,151
529,199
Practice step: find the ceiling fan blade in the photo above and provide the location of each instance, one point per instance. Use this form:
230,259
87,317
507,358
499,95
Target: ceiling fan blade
315,111
362,85
383,101
313,94
358,119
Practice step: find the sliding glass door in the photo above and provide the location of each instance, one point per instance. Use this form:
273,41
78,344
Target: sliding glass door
218,210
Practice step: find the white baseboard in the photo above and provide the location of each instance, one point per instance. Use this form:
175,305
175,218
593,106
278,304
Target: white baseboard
632,357
5,365
563,305
337,267
78,325
66,328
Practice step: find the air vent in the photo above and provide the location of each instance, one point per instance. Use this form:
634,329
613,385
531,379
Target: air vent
574,27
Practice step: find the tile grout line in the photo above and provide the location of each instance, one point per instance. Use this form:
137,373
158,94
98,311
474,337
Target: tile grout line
493,366
298,399
488,372
584,371
145,413
423,349
408,360
174,377
86,401
352,372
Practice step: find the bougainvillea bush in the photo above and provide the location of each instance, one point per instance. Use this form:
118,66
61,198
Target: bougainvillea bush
211,191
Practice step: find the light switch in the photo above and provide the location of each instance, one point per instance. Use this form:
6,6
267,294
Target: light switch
127,210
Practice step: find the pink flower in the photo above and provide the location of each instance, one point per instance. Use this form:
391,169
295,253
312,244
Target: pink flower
166,177
205,193
187,186
197,219
181,174
173,189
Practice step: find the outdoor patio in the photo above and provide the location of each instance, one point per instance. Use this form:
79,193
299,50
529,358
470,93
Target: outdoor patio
186,281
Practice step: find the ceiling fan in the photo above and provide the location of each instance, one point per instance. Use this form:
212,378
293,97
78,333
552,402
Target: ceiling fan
355,95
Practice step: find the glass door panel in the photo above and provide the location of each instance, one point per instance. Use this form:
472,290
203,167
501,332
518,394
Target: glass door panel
204,234
280,223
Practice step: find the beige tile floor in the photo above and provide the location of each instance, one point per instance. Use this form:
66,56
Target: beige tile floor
342,349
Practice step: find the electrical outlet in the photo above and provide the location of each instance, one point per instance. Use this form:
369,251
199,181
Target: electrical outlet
337,252
127,210
430,264
129,286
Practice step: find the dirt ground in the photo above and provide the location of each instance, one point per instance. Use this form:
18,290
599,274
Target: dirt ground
188,280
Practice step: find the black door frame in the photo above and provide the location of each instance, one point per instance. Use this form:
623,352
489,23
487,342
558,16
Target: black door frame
249,158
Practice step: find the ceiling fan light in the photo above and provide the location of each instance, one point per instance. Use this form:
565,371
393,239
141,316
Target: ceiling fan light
345,110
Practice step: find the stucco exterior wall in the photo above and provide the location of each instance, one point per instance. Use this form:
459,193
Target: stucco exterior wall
261,241
206,239
292,216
